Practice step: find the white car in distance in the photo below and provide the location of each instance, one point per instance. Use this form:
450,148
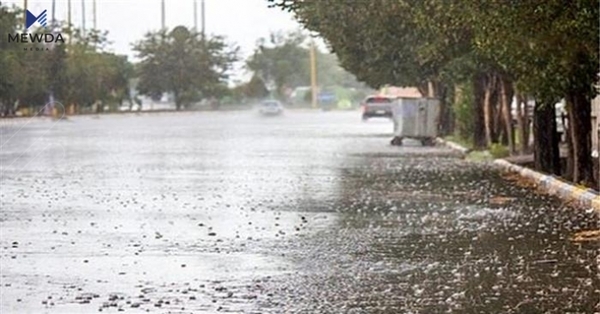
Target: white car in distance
270,108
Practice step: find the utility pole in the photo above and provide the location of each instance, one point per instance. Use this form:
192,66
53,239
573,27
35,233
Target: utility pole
69,20
163,29
69,12
202,8
25,13
195,16
162,12
95,16
83,17
313,73
53,13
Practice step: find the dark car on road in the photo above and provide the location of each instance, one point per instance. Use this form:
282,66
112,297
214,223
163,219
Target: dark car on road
377,106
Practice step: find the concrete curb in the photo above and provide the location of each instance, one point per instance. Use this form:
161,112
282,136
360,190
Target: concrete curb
453,146
554,186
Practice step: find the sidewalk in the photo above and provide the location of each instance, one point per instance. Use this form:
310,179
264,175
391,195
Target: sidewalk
529,158
549,184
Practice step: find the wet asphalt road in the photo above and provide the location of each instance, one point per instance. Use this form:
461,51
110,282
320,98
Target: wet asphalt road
312,212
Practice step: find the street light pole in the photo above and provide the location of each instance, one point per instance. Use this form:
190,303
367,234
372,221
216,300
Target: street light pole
53,13
202,8
94,11
69,20
25,13
83,17
195,16
162,11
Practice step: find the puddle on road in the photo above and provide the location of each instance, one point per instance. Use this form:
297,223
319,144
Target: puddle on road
153,280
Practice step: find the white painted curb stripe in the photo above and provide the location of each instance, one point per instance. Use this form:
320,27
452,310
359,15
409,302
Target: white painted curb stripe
555,186
453,145
548,183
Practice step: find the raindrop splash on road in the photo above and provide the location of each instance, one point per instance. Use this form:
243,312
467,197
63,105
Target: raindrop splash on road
305,213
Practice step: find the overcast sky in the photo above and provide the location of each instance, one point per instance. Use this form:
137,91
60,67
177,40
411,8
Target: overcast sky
241,21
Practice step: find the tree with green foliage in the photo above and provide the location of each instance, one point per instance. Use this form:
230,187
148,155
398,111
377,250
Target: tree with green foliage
87,74
78,72
8,62
544,49
24,78
330,73
283,61
183,63
551,51
386,42
255,88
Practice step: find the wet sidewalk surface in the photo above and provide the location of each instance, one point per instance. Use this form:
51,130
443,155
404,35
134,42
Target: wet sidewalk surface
312,212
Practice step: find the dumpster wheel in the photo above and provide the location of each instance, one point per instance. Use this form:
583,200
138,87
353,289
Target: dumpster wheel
428,142
396,141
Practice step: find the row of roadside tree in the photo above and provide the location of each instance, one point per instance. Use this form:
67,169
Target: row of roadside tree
476,57
83,74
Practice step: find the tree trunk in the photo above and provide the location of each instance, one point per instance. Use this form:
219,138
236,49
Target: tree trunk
505,95
451,113
432,89
479,138
487,111
498,134
596,170
177,100
545,139
522,125
445,118
528,122
435,89
424,89
460,128
568,173
580,120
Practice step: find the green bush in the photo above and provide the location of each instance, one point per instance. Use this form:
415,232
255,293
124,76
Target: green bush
228,100
499,151
460,141
483,155
307,97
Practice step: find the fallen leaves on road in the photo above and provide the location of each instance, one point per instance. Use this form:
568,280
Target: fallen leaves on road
519,180
501,200
586,236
